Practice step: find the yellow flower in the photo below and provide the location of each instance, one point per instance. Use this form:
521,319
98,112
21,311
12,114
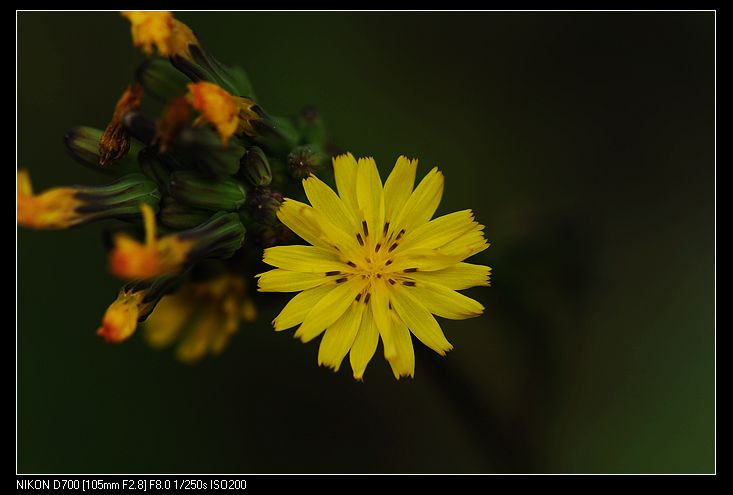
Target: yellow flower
378,266
202,316
162,30
131,259
52,209
120,319
228,114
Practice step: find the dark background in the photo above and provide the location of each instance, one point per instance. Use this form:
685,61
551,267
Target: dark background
583,141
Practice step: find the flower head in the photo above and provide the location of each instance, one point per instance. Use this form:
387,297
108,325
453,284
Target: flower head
63,207
162,31
218,238
134,303
120,319
56,208
227,113
131,259
202,316
377,266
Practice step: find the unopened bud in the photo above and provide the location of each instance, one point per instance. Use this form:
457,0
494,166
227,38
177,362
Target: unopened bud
219,237
177,216
83,144
263,203
208,154
190,189
304,161
255,168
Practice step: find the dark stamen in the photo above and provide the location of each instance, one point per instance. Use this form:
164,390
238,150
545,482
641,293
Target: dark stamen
389,303
409,270
351,264
408,283
386,227
335,272
402,232
358,297
366,229
358,238
342,279
379,275
377,247
368,296
392,281
389,262
392,247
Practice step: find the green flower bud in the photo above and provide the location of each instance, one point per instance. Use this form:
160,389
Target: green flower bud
207,153
177,216
219,237
160,79
83,144
255,168
121,199
305,160
191,189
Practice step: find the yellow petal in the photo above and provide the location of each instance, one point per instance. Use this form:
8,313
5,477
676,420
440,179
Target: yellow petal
340,336
398,187
313,227
446,302
364,346
403,364
419,320
325,200
303,259
295,215
279,280
422,203
380,306
458,277
24,183
344,169
439,231
424,260
329,309
299,306
370,197
467,244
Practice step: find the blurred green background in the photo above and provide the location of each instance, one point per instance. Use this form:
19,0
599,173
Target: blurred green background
583,141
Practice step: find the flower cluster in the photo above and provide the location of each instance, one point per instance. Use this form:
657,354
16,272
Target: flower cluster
198,164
